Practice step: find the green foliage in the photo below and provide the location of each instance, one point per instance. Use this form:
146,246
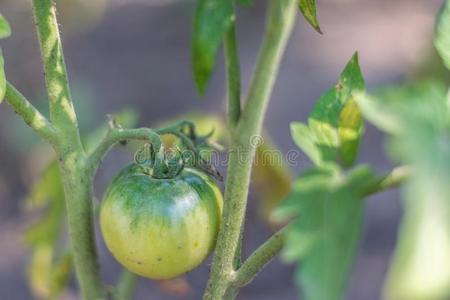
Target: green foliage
5,29
394,109
418,118
309,11
442,41
335,125
245,2
326,201
212,20
49,269
271,177
324,235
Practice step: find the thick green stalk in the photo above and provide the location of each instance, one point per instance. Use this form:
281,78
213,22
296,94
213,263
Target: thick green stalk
233,75
62,112
233,94
280,21
78,194
76,179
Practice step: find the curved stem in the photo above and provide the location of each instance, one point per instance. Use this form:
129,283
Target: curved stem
30,114
113,136
281,17
393,179
125,287
233,77
259,259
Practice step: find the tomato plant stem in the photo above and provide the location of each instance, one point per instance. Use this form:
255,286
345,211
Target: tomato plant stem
115,135
62,112
78,194
280,21
233,76
125,286
259,259
69,149
393,179
30,114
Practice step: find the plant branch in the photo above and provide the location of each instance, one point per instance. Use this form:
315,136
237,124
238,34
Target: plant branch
30,114
259,259
281,17
280,22
114,136
71,155
233,77
62,112
393,179
125,286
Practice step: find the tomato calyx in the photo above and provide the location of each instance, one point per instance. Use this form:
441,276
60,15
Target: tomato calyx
161,162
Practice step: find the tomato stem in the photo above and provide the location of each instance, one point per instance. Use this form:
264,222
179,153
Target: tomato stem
281,16
69,149
62,112
30,114
125,286
259,259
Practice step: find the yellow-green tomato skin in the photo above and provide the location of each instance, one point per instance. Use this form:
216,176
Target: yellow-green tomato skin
161,228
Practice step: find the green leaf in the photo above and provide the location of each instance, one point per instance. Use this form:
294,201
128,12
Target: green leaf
305,139
46,273
245,2
47,192
5,29
2,77
442,40
335,125
212,20
48,276
271,178
60,275
309,11
421,266
394,109
323,237
418,118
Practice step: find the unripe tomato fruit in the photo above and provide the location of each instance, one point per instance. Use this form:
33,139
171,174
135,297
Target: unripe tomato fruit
161,228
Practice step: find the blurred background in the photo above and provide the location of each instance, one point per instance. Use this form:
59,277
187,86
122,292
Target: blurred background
136,54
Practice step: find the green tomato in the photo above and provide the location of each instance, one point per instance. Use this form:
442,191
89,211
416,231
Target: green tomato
161,228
